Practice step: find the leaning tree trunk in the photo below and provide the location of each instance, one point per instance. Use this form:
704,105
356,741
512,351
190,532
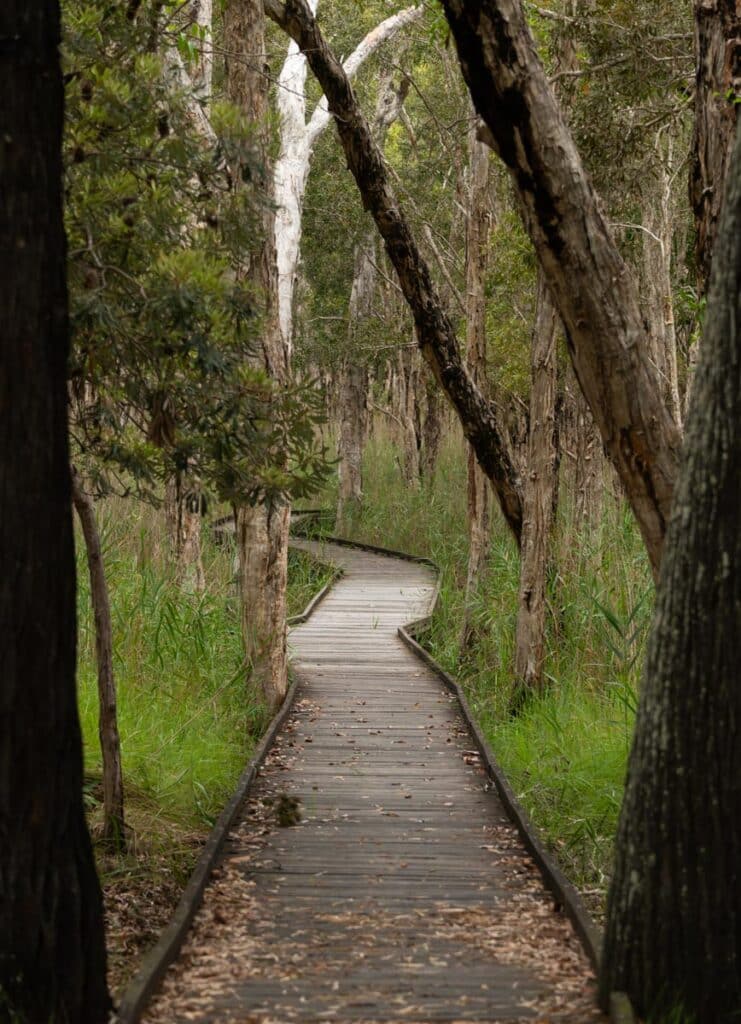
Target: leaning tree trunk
538,498
591,285
262,529
478,228
110,743
717,93
52,950
674,915
436,335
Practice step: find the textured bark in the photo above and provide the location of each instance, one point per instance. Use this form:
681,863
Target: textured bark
674,916
183,511
262,533
717,91
297,140
658,235
52,952
591,285
478,229
262,546
435,332
409,415
432,428
110,744
538,497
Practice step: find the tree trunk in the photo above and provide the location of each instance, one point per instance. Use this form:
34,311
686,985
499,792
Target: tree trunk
432,429
674,916
297,140
409,416
262,545
717,92
110,744
478,229
262,530
353,420
538,497
183,514
435,332
52,951
591,285
589,464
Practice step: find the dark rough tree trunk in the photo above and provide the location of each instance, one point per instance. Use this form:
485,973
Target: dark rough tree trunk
718,88
592,287
435,332
539,493
110,744
262,530
52,952
674,916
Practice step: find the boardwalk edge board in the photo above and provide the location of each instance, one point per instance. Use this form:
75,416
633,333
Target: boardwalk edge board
156,962
564,892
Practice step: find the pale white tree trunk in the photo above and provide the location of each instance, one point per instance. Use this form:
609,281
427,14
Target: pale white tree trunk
297,140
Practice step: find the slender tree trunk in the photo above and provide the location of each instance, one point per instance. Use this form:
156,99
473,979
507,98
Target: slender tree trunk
110,744
297,140
432,429
262,530
478,229
591,285
183,514
717,92
538,496
436,335
589,463
409,416
674,915
353,413
52,950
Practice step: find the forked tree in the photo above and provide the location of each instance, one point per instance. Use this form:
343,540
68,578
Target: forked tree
52,953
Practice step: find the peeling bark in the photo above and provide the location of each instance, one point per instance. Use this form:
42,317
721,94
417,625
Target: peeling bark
297,140
717,92
478,228
262,530
435,332
538,498
52,946
591,285
110,744
674,915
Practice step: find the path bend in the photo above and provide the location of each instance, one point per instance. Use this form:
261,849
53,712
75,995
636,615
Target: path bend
403,893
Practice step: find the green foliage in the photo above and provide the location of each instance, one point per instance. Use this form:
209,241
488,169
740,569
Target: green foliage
188,717
164,324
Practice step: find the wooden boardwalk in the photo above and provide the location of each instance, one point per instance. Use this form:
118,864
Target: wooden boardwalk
403,893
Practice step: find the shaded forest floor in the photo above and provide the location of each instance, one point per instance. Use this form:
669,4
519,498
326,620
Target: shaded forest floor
184,733
566,753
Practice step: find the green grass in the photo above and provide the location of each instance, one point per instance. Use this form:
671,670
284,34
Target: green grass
565,754
188,719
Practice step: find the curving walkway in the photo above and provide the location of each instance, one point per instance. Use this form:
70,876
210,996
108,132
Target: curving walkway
403,893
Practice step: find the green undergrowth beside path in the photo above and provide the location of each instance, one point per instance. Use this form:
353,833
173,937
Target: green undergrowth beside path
565,754
187,718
